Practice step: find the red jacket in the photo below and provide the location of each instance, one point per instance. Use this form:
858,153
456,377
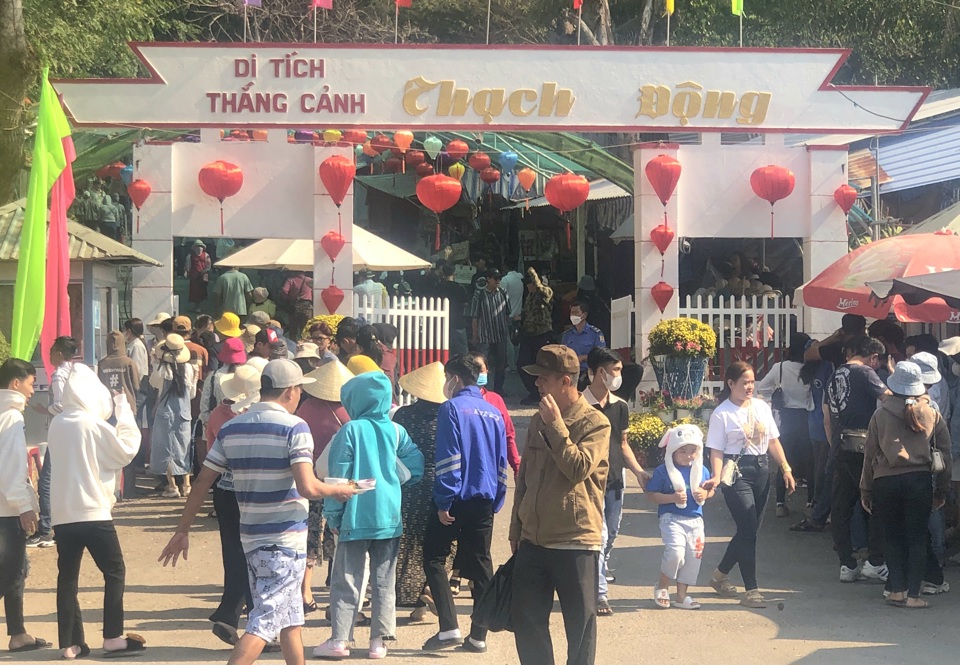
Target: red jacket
513,455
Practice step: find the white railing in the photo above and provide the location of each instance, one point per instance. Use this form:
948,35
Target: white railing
422,324
755,329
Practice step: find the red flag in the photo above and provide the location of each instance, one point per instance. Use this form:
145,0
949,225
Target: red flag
404,3
577,4
323,4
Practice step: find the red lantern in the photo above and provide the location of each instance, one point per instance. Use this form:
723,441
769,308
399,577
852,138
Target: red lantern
332,296
414,157
663,172
114,170
490,175
772,183
438,193
355,136
139,191
566,192
332,243
845,196
662,293
457,149
424,169
393,165
479,161
337,174
381,143
662,236
221,180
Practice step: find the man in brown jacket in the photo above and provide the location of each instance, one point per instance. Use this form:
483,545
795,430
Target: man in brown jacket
556,529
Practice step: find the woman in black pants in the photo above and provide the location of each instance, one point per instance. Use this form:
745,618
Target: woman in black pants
742,430
897,481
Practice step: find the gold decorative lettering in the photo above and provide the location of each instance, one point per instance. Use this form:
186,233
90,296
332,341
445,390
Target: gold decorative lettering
517,97
654,101
686,104
411,93
719,104
753,108
555,102
489,103
453,100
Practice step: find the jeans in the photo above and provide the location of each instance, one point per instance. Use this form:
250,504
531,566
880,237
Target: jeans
527,355
795,438
236,581
746,500
496,355
346,585
45,528
537,573
844,499
13,572
903,503
612,514
821,455
100,538
473,531
938,534
821,511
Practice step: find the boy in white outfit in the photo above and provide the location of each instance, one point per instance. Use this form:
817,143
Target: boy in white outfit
677,488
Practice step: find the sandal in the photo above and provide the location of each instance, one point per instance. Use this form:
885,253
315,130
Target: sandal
604,609
754,600
688,604
225,633
807,525
723,587
38,643
917,604
310,607
135,644
84,653
896,602
662,598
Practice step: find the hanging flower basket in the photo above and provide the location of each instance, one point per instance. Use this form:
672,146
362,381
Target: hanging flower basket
681,377
679,351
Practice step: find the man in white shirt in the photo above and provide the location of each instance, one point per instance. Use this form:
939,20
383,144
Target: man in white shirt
512,283
371,293
62,352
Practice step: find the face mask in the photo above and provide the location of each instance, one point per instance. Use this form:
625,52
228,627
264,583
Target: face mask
612,383
482,379
576,320
449,388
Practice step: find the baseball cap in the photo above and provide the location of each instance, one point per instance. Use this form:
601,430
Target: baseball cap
554,359
259,318
181,324
282,373
493,274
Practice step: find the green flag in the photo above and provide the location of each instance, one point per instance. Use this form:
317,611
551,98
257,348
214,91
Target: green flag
737,7
49,160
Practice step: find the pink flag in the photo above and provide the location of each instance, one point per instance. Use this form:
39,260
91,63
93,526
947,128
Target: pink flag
404,3
323,4
253,3
577,4
56,313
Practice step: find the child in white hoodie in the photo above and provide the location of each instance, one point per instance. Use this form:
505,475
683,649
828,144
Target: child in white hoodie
89,453
18,502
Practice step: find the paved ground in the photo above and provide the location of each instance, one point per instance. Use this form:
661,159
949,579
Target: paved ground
821,621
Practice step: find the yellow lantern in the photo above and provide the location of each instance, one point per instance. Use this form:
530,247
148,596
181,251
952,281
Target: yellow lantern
332,135
457,170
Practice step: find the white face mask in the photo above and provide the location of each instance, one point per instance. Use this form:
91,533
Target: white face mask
612,383
576,320
450,387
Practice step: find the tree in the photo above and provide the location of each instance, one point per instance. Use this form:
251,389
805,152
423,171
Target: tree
17,72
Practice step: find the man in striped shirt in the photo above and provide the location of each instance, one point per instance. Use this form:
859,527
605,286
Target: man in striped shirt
268,453
490,310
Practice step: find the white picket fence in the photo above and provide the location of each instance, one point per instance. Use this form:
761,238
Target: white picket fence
755,329
423,326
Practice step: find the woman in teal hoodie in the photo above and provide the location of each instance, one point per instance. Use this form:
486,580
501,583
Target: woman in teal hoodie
367,447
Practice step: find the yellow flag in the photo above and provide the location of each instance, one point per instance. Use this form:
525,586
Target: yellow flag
736,7
670,7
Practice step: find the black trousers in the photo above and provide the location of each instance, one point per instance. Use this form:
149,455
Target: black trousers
100,539
537,573
473,531
13,572
746,500
496,355
527,355
903,503
795,439
236,581
846,494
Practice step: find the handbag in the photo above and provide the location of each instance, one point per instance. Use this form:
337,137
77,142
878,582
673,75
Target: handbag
492,609
730,473
776,399
937,465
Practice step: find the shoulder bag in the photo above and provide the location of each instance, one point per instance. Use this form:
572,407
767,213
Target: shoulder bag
776,399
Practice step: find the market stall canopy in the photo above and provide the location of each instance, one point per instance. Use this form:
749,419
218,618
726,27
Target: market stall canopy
85,243
599,190
369,252
843,286
921,288
948,219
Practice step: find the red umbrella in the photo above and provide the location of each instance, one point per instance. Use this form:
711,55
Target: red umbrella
842,287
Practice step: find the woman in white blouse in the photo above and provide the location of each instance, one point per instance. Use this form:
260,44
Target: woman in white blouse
794,417
742,430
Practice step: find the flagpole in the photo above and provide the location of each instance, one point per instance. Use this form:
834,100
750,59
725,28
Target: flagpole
489,3
579,21
668,28
316,10
396,23
741,29
244,22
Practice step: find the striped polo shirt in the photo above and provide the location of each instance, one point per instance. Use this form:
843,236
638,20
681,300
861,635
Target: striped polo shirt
260,447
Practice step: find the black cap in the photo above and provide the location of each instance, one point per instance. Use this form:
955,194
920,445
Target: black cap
493,274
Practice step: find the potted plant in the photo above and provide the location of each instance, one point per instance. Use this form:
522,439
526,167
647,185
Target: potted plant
707,404
643,435
679,351
687,408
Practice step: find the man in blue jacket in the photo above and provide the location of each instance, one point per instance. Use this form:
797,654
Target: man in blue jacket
470,486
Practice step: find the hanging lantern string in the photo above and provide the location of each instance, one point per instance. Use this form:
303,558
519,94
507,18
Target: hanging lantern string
221,217
771,220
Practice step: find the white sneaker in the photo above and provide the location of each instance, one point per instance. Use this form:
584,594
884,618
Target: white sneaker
848,575
171,493
377,649
332,650
931,589
871,572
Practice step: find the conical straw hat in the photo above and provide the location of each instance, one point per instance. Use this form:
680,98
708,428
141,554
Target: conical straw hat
426,383
330,378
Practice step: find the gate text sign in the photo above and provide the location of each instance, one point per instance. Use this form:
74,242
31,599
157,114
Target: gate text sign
478,88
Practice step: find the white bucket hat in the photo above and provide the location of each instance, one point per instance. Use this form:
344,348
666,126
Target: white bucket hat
174,349
927,362
907,380
242,387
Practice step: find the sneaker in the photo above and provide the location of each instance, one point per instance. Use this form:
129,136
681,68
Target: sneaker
171,493
42,541
436,643
723,587
782,510
377,649
455,586
332,650
931,589
848,575
474,646
871,572
753,600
